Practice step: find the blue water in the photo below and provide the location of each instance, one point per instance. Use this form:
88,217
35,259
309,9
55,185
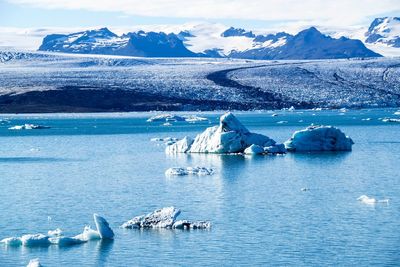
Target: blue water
106,164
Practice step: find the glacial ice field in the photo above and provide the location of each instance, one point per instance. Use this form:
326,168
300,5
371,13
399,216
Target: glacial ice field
297,209
55,82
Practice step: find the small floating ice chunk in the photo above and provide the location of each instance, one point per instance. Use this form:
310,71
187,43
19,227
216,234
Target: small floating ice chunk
166,118
160,218
179,171
254,150
343,110
186,225
56,232
182,146
88,234
12,241
391,120
397,113
305,189
167,124
366,119
28,127
194,118
319,138
64,241
276,149
34,263
274,115
281,122
103,227
371,201
33,240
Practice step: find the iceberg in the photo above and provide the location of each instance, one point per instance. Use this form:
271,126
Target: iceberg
55,237
276,149
181,146
391,120
35,240
164,218
230,136
88,234
254,150
319,138
103,227
185,224
34,263
371,201
56,232
180,171
176,118
161,218
12,241
165,118
28,127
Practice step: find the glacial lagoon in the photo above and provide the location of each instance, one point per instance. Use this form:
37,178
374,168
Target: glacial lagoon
107,164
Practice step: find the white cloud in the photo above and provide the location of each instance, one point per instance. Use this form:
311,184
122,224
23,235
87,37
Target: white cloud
334,12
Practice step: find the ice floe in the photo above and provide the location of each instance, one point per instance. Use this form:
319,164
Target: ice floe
319,138
276,149
55,237
164,218
28,126
180,171
230,136
391,120
176,118
254,150
371,201
34,263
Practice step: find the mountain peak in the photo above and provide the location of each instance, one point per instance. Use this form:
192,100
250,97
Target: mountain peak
231,32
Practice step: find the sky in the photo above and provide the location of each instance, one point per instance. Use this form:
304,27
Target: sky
249,13
39,17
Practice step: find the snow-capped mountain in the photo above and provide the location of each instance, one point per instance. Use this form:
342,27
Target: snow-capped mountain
103,41
384,31
307,44
203,41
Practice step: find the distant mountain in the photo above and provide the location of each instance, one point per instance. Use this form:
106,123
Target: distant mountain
384,31
307,44
231,32
232,42
103,41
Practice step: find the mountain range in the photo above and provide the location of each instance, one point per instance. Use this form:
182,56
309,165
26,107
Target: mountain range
232,42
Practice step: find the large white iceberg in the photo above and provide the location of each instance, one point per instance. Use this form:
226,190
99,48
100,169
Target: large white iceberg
164,218
319,138
230,136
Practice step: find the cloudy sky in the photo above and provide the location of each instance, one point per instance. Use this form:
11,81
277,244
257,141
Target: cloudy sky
26,21
256,13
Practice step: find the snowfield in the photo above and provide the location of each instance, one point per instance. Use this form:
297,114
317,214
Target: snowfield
56,82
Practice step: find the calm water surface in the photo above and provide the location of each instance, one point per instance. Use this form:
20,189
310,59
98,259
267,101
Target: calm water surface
57,178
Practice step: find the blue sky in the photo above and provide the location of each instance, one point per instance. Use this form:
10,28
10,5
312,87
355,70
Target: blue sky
244,13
